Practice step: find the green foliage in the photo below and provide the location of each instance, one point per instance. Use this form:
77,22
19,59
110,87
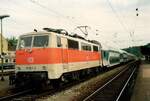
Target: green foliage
134,50
12,43
146,49
148,45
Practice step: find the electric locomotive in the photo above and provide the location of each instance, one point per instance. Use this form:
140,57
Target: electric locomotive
53,55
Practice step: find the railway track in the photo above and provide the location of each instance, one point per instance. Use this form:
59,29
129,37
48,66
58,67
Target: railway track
9,97
31,95
113,89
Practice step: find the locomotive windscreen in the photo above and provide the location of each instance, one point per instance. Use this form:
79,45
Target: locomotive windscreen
33,41
40,41
25,42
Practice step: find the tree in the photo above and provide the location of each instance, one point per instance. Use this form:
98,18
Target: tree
12,43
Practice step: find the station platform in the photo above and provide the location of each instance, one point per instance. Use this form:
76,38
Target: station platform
142,87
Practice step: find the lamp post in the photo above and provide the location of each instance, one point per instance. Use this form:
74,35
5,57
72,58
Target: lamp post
2,61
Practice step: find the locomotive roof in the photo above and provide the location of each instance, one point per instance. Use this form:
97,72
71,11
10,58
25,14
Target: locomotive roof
34,33
74,37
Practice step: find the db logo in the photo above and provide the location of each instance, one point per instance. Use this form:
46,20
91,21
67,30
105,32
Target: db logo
30,60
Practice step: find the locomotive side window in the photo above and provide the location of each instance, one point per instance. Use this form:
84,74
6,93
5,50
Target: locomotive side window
40,41
89,48
95,48
85,46
73,44
58,41
25,42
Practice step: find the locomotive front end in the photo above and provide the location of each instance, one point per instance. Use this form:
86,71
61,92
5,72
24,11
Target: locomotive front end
32,57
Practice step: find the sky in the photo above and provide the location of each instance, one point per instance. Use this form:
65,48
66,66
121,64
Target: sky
112,22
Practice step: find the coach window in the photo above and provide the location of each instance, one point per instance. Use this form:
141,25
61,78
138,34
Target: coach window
73,44
95,48
58,41
40,41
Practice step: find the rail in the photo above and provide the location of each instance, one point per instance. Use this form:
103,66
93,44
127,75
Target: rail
119,96
15,95
86,99
99,93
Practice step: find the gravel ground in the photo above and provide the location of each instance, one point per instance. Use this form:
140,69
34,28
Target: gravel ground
142,87
80,91
4,86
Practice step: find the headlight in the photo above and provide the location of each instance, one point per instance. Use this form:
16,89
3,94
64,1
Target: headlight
44,67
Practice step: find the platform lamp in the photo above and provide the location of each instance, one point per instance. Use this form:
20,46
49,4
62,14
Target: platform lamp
2,61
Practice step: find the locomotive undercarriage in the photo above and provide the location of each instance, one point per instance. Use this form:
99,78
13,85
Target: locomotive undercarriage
75,75
36,79
30,79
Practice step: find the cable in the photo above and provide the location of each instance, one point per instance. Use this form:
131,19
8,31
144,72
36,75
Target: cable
135,19
51,10
115,13
42,6
132,32
136,16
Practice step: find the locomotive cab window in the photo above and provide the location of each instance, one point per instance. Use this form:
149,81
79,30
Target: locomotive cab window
25,42
41,41
73,44
95,48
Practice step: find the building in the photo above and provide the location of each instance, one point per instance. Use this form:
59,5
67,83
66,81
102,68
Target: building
5,45
9,57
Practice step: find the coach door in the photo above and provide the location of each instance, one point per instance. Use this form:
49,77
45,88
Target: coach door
64,54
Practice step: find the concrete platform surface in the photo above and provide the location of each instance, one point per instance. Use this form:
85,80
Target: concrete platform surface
142,87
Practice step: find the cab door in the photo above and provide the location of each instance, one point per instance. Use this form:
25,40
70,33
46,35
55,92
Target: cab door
64,52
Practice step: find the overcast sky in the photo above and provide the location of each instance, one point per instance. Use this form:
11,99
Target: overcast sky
115,21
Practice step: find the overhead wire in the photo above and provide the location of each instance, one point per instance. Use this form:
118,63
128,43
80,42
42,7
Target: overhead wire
48,9
136,15
118,18
135,20
132,31
53,11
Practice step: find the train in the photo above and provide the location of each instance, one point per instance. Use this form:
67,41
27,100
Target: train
53,55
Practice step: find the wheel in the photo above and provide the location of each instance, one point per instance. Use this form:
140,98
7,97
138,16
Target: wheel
56,84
